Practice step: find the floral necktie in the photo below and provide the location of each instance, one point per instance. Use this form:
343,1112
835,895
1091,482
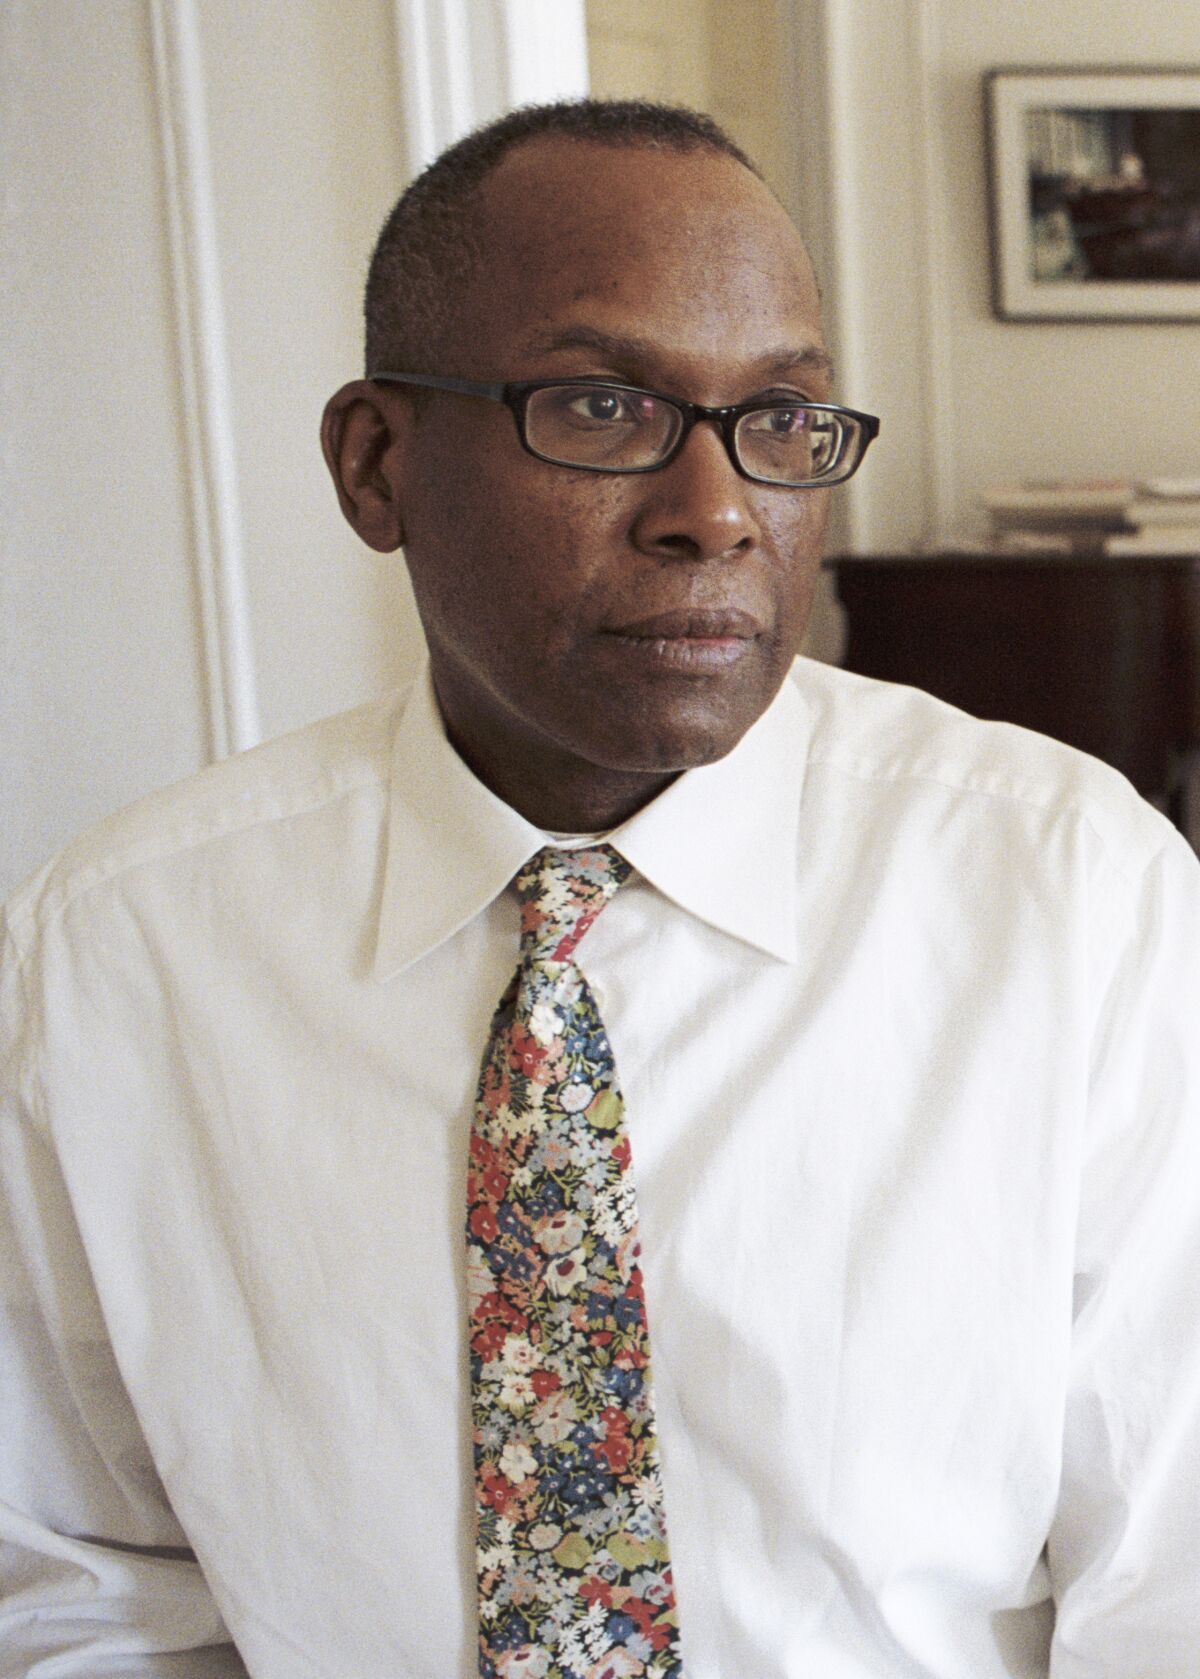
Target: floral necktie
573,1569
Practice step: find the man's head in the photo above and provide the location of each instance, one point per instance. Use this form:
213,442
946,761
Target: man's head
431,244
591,635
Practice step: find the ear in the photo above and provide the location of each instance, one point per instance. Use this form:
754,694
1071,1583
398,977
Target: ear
364,438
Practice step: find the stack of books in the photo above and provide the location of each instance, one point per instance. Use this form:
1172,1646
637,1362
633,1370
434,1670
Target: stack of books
1110,516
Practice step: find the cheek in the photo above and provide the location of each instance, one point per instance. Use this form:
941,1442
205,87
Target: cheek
536,520
803,516
795,537
510,555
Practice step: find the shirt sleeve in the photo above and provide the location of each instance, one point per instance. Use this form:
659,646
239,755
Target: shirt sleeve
1124,1551
96,1575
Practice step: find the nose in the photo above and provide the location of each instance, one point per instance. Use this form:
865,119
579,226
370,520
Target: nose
696,508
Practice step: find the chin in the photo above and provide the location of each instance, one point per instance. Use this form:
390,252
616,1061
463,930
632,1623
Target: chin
667,745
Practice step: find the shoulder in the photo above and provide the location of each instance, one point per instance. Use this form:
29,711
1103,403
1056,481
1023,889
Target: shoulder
261,794
916,754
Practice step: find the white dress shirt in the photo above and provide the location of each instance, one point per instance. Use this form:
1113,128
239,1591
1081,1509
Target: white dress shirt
905,1009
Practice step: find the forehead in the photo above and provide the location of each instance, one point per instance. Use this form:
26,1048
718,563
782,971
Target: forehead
688,253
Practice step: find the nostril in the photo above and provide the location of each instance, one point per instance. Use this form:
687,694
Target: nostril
678,545
716,544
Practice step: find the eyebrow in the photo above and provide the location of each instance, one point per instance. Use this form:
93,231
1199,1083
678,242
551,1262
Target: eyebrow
617,348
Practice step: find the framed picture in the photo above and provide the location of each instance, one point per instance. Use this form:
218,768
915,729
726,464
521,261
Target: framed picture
1095,187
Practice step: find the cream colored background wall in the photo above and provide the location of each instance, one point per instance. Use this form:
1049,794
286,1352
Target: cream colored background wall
1090,399
966,399
85,291
307,156
176,578
731,60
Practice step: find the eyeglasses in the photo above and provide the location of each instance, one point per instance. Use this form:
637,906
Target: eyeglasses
599,426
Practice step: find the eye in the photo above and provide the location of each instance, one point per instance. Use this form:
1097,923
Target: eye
611,428
599,405
781,422
603,407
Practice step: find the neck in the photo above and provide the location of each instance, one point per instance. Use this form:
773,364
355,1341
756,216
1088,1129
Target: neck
556,791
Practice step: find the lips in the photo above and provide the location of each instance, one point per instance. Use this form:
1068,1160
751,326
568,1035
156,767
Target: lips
692,624
688,641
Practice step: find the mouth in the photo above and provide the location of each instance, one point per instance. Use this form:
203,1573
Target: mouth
690,641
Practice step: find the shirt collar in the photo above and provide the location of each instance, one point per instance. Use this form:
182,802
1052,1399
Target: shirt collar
720,841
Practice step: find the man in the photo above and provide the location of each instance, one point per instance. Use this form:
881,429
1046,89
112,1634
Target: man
902,1008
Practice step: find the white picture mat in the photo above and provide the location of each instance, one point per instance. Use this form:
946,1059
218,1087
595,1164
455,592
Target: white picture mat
1018,296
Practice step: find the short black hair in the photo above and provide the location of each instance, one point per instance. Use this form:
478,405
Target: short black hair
429,248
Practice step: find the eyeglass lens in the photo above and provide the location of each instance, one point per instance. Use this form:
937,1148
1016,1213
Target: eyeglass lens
610,429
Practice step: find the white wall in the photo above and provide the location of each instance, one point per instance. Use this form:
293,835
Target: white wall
143,361
307,157
966,399
91,440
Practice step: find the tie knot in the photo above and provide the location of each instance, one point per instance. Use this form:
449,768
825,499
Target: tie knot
562,893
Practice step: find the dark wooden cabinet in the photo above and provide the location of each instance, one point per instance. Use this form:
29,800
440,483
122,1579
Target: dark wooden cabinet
1098,651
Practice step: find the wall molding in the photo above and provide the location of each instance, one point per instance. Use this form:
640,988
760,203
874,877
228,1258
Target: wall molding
204,383
462,62
837,40
930,225
545,50
879,164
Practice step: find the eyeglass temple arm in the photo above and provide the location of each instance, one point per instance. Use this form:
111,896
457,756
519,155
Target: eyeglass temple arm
463,387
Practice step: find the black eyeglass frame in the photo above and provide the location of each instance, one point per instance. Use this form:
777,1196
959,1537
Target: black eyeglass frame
515,396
